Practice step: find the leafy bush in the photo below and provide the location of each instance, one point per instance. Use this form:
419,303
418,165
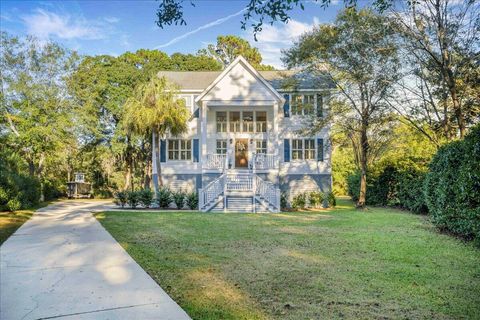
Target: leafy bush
14,204
452,187
121,198
331,200
164,197
315,199
145,197
410,191
132,198
16,185
299,201
392,187
179,199
191,200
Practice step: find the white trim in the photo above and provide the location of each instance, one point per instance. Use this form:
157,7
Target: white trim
247,66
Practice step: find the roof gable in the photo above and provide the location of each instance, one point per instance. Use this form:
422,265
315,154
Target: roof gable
239,82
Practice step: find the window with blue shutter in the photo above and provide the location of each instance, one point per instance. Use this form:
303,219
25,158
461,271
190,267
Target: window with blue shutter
319,105
195,150
320,149
286,106
286,150
163,150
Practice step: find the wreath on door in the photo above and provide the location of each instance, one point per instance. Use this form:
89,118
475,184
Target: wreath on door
241,146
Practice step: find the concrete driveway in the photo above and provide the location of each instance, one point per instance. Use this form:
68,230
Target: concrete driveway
63,264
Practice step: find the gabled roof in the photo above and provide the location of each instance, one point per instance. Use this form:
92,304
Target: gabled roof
278,79
247,66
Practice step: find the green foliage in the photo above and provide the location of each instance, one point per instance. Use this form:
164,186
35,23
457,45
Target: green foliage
452,186
14,204
410,190
331,200
392,187
299,201
36,114
133,198
121,198
316,199
191,200
164,197
230,47
15,184
179,199
145,197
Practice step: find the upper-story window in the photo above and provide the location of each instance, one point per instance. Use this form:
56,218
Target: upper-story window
308,104
247,117
303,104
234,121
221,121
179,149
297,104
261,121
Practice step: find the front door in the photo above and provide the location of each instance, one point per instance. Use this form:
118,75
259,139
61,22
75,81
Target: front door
241,153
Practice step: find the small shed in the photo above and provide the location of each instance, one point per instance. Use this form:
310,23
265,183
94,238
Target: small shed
79,188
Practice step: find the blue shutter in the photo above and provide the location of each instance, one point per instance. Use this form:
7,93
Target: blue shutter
320,149
319,105
286,106
195,150
286,150
163,151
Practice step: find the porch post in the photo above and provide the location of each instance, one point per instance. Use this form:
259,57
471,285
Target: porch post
276,142
203,133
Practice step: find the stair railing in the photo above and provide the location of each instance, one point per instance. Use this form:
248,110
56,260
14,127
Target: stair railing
268,191
211,192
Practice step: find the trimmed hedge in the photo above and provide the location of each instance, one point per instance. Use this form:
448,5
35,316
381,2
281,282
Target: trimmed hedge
392,187
452,187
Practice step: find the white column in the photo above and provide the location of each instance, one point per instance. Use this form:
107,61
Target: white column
275,133
203,132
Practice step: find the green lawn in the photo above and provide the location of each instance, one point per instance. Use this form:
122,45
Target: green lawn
342,263
11,221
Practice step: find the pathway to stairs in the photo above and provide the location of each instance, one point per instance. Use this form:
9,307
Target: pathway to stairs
62,264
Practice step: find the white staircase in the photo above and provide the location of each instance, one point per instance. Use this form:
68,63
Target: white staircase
240,191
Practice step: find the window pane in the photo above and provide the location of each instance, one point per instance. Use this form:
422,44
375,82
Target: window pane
221,146
247,121
261,146
261,119
297,149
308,104
309,149
235,121
221,121
297,101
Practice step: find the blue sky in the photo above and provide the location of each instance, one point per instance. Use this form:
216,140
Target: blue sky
113,27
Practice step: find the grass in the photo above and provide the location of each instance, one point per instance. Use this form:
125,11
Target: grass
11,221
342,263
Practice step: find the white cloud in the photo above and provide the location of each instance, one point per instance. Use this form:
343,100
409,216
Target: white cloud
45,24
112,19
274,38
205,26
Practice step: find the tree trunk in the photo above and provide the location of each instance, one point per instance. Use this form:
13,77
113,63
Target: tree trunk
146,174
363,166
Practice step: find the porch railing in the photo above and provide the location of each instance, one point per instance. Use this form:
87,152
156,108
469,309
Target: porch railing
265,161
216,161
239,182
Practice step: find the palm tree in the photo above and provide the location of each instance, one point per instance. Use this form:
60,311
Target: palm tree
155,109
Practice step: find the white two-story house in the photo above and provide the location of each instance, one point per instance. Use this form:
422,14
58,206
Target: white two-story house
243,148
